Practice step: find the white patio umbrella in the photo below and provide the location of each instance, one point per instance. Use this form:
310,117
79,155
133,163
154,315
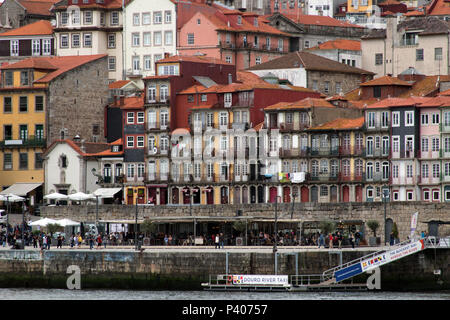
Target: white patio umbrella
80,196
43,222
67,223
11,197
55,196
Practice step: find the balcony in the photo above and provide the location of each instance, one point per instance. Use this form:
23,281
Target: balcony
327,151
157,126
376,127
323,177
294,152
240,126
155,151
203,178
30,142
156,177
351,151
430,179
376,177
351,178
286,127
376,153
164,99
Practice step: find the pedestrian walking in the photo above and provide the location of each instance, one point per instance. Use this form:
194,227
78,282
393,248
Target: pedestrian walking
49,241
321,240
79,240
59,242
357,238
216,242
351,239
91,241
391,238
330,241
221,240
35,241
44,242
339,239
99,241
105,238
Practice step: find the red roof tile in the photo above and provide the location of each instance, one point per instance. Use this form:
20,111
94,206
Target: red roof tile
118,84
386,81
319,21
133,103
38,7
198,59
302,104
59,65
398,102
341,124
343,44
42,27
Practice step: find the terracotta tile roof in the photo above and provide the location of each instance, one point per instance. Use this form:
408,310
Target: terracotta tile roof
386,81
320,21
445,93
112,4
309,61
398,102
181,131
194,89
342,44
341,124
258,126
117,142
426,87
302,104
41,8
206,106
42,27
428,25
133,103
118,84
55,65
439,7
439,101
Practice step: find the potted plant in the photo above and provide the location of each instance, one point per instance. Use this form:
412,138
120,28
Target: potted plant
327,227
374,225
240,227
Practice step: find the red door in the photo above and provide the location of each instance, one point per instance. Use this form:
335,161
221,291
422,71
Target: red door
163,196
273,194
358,192
175,196
209,195
345,194
286,194
305,194
152,195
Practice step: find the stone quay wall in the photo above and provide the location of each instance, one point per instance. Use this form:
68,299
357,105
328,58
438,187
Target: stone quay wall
399,212
187,269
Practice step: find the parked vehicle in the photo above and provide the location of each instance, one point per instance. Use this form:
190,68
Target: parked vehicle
3,216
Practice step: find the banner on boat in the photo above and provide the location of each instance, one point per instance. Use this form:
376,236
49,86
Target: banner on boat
252,279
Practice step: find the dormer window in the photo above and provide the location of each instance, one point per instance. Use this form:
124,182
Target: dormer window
239,20
255,22
115,149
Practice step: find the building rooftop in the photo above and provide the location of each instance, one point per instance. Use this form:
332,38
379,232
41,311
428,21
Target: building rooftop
42,27
302,104
38,7
341,124
319,21
386,81
342,44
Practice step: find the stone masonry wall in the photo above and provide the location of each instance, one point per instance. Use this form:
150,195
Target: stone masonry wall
399,212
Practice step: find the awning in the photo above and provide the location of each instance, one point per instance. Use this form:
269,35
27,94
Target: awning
106,192
21,189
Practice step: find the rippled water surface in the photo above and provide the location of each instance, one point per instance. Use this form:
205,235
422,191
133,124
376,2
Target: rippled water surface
65,294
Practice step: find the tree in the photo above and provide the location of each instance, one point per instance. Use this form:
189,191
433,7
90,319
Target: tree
52,228
148,227
239,226
373,225
395,231
327,226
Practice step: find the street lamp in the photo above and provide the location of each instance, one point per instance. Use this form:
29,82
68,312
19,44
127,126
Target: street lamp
136,222
385,199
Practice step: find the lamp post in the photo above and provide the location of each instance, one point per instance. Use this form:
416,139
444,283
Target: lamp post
96,212
275,245
385,198
7,220
136,222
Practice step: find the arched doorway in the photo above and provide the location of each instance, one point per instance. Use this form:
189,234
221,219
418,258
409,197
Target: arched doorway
244,195
252,194
345,194
358,194
272,194
175,196
260,194
305,194
224,195
286,194
237,195
209,195
186,195
333,194
196,196
314,194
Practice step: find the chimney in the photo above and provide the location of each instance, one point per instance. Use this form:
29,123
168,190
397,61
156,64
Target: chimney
122,100
166,55
230,78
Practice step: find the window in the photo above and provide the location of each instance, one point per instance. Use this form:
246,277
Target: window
130,117
228,59
410,38
223,118
338,87
39,132
146,38
163,92
409,171
157,38
446,144
135,39
87,39
130,171
24,78
426,195
425,170
190,38
36,47
76,17
395,171
23,161
227,100
435,144
424,119
395,144
258,60
168,38
424,145
136,64
102,18
38,103
146,19
437,53
46,47
419,54
111,40
23,104
87,17
64,18
436,171
378,59
111,63
409,195
326,86
396,119
168,17
114,18
75,40
435,118
23,132
157,17
7,104
369,170
148,62
385,146
447,169
64,41
409,118
136,19
239,20
130,142
140,117
323,191
7,161
371,119
140,141
384,119
204,98
435,195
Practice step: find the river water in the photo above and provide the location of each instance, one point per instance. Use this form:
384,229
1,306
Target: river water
65,294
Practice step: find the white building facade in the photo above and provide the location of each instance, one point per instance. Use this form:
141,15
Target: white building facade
150,34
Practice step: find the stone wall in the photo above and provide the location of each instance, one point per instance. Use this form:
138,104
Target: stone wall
399,212
79,95
176,269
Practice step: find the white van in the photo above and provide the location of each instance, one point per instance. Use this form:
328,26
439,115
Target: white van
3,216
